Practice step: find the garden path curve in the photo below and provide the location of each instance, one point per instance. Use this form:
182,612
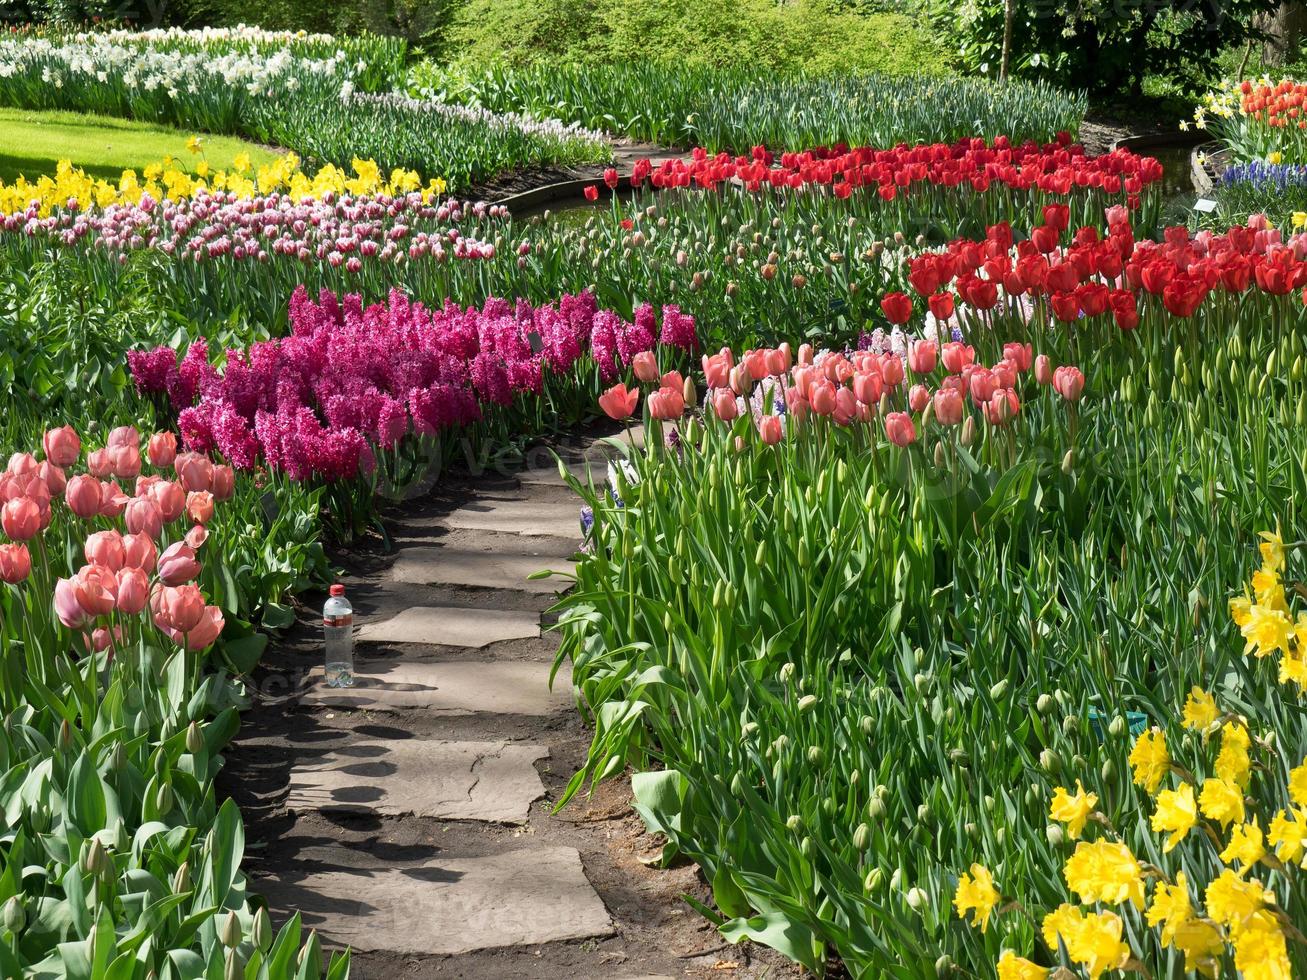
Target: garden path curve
410,816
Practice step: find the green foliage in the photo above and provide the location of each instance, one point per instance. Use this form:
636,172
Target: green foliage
682,34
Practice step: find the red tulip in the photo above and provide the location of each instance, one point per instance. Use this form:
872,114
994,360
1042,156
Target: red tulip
1045,237
897,307
941,305
592,193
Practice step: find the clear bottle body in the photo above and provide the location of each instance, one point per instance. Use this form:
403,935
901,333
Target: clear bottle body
338,641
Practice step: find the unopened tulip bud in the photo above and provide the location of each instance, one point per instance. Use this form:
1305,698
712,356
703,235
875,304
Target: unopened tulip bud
1069,462
816,757
1051,761
1044,704
194,739
917,899
231,933
1108,771
998,690
163,799
807,702
873,880
1116,726
310,956
862,837
866,724
1055,834
939,456
65,735
968,430
1070,724
689,394
234,968
793,823
14,915
944,966
93,861
181,879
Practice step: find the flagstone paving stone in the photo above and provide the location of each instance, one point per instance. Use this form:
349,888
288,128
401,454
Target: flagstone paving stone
516,687
484,569
516,516
493,781
452,626
449,906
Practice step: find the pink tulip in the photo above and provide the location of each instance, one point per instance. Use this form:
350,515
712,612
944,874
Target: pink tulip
821,395
21,464
162,449
667,404
618,403
123,435
740,380
96,588
15,563
672,379
101,639
923,355
717,368
62,446
194,472
142,517
208,629
1005,374
169,497
1018,354
805,353
140,552
724,404
21,518
83,496
177,564
868,387
778,360
919,398
177,608
771,429
196,536
112,499
133,590
948,406
982,385
126,462
1043,369
224,482
891,369
1067,382
846,406
899,428
645,366
199,505
52,476
1003,407
956,356
66,606
105,548
99,463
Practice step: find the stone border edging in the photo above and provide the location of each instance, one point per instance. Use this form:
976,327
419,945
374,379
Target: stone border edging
567,189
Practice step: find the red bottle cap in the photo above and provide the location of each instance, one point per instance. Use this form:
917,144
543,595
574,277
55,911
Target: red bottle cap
338,589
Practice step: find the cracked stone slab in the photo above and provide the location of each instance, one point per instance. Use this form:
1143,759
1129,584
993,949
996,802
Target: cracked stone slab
446,565
529,518
492,781
452,626
450,906
512,687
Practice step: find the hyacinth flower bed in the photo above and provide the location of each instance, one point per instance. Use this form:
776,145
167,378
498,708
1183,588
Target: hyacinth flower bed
733,109
363,399
1277,191
119,862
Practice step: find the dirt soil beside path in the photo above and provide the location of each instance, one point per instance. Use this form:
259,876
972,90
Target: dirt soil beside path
656,934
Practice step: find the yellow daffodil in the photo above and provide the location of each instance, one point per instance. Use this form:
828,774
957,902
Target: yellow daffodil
1072,810
1288,832
1096,944
1266,631
976,892
1171,908
1240,610
1200,711
1202,945
1298,783
1177,813
1105,871
1014,967
1232,763
1221,801
1247,845
1260,952
1231,901
1299,219
1061,923
195,144
1150,760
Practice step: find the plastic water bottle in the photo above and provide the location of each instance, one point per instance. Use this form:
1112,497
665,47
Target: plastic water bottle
338,633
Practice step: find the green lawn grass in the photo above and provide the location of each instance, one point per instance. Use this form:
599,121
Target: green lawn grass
31,143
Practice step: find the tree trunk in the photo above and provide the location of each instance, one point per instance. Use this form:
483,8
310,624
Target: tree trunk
1009,13
1284,28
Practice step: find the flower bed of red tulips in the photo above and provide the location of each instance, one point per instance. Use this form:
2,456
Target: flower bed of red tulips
350,379
1277,105
1058,168
1084,277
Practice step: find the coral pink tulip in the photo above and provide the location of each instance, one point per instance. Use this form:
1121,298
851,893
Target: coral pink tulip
1067,382
918,398
1043,369
224,482
177,608
194,471
1005,374
62,446
724,404
124,435
52,476
199,505
196,536
15,563
899,428
805,353
771,429
170,498
868,387
96,589
956,356
923,355
1018,354
162,449
667,404
891,369
142,516
949,406
101,639
1003,407
66,606
717,368
83,496
139,551
126,462
21,518
105,548
821,395
618,403
99,463
177,564
645,366
21,464
112,499
206,631
982,385
133,590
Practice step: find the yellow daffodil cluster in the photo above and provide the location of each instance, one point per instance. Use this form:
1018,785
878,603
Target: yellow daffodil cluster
170,178
1214,806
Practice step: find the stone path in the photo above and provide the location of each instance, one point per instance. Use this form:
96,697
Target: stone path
409,817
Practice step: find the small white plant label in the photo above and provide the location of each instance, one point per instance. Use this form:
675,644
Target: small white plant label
1205,205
